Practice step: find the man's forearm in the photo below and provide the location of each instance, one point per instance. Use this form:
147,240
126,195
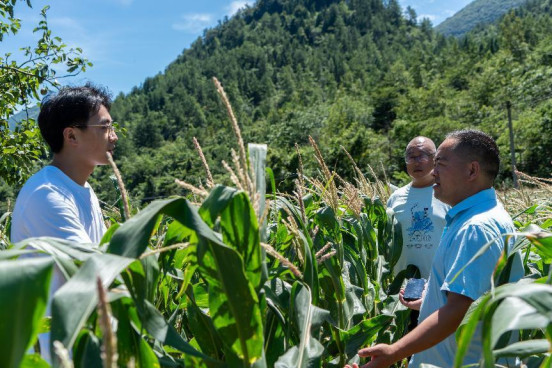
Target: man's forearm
434,329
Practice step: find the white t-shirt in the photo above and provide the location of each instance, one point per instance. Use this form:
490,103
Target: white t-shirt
52,204
422,219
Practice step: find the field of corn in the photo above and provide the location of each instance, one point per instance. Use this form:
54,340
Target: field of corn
234,276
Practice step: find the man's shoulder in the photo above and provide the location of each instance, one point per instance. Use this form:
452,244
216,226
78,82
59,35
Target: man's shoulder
398,194
44,188
45,199
485,226
492,218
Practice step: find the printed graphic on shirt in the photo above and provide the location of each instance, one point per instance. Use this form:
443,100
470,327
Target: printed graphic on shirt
420,232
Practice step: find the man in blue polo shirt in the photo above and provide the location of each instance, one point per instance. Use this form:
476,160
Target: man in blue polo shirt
466,165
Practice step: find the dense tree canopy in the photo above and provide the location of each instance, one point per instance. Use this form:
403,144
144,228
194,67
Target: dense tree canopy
362,74
358,74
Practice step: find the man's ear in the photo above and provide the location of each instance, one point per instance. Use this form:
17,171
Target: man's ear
70,136
474,170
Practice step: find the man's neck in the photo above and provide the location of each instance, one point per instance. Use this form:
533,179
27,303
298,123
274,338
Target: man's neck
72,168
422,183
471,191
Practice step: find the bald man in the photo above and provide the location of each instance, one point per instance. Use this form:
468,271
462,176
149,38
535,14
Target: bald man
421,215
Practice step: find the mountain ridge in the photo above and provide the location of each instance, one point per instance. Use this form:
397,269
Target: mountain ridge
18,117
478,12
354,74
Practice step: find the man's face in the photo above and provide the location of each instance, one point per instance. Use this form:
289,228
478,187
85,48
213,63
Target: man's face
419,158
451,174
98,138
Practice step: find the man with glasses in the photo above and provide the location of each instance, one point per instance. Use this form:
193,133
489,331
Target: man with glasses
57,201
421,215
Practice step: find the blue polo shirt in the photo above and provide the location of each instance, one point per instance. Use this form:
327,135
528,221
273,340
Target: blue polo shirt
470,224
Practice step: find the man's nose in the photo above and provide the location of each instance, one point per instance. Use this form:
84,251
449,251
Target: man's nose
113,136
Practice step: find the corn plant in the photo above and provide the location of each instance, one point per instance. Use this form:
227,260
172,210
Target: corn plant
216,287
211,298
238,278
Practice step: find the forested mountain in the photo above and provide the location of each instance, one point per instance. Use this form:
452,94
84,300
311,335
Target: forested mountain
357,73
478,12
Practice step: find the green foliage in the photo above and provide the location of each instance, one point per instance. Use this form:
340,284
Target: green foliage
26,283
216,297
5,229
199,303
193,286
23,82
223,283
350,74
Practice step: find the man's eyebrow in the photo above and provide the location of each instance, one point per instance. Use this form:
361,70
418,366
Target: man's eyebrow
106,120
440,158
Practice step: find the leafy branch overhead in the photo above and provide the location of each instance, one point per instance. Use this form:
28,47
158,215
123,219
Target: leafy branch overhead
25,79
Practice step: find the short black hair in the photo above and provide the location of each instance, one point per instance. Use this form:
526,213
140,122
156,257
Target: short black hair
69,107
474,145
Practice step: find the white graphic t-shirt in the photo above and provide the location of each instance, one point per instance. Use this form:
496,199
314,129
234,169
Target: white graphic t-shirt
422,219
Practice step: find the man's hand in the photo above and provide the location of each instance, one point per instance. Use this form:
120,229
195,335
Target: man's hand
414,305
434,329
382,356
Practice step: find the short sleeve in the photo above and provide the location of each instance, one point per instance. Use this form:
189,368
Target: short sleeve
49,213
474,280
390,203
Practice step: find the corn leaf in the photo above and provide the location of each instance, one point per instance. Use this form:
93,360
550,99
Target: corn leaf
24,285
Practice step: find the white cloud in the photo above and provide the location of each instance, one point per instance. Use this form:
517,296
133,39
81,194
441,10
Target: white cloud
432,17
77,34
236,5
193,23
449,13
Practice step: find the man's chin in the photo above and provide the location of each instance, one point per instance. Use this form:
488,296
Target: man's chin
438,194
418,174
103,162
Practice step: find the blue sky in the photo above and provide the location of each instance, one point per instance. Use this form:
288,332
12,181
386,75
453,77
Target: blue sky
130,40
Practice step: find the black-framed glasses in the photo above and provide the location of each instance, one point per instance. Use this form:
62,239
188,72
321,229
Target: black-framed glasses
421,158
110,127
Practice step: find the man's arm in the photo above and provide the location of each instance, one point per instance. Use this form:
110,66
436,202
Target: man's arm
434,329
